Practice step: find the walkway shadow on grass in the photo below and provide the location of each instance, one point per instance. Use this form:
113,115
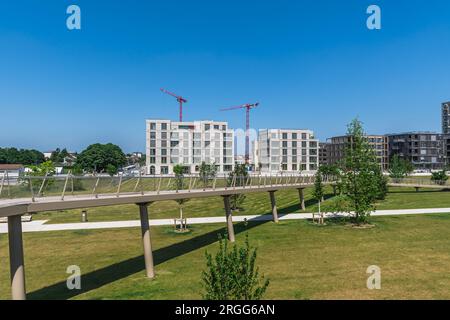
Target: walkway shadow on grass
98,278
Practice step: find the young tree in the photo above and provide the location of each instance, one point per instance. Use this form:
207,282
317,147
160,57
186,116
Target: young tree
318,192
233,274
238,177
439,177
360,181
207,172
45,171
399,168
179,181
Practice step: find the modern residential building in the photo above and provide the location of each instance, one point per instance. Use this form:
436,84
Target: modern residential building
188,144
323,153
337,145
445,117
425,150
287,150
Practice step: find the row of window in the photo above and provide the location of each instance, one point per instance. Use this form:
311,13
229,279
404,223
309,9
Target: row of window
163,126
185,152
188,160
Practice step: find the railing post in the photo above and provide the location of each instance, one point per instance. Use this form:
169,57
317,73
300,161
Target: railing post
95,188
7,180
3,183
31,188
159,185
120,184
64,189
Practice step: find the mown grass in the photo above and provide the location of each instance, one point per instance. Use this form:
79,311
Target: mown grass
303,261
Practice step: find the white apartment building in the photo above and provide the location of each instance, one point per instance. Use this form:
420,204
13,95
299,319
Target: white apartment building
285,150
188,144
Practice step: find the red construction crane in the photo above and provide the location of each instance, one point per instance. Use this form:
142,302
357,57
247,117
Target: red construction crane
247,108
180,100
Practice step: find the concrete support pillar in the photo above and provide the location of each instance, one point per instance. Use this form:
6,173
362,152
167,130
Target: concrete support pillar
302,199
274,206
16,258
226,202
146,240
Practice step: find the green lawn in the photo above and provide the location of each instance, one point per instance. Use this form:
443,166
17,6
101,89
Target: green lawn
258,203
303,261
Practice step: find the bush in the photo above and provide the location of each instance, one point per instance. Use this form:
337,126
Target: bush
439,177
233,274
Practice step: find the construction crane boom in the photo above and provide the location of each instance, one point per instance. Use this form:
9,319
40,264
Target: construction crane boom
247,108
180,100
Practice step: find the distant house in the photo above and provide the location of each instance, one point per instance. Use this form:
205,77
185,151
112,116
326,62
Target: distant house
48,154
10,173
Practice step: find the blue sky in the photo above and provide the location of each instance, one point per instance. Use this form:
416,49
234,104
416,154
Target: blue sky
311,64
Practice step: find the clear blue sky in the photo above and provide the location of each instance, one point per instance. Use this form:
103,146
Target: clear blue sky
311,64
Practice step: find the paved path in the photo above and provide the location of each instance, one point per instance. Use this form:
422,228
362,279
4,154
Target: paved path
39,225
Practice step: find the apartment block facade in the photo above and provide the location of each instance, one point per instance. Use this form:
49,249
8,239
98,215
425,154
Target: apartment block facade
337,145
283,150
445,117
425,150
188,144
323,153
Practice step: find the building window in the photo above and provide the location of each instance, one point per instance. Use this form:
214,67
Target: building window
284,136
294,167
284,167
152,135
152,160
163,126
163,135
152,126
207,127
153,152
284,144
163,159
294,136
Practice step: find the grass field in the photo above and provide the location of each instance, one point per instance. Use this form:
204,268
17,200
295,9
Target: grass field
258,203
302,261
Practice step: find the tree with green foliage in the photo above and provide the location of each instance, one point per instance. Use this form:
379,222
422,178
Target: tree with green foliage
207,172
178,170
439,177
44,171
237,177
329,170
318,191
233,274
382,184
22,156
399,168
97,157
111,170
59,155
360,178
